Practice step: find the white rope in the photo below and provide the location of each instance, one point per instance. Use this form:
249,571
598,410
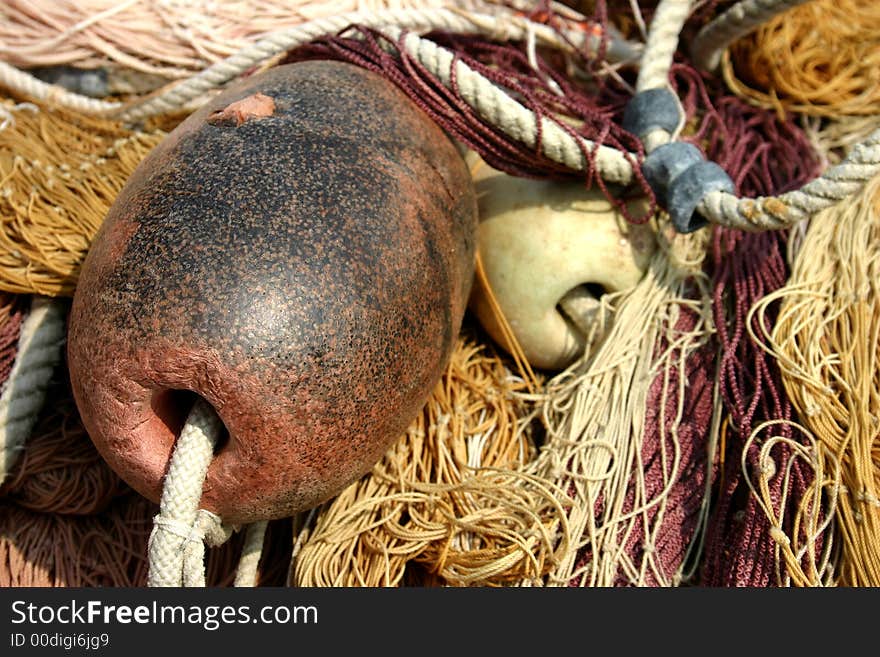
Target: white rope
26,84
765,213
734,24
246,575
39,352
176,546
784,211
656,61
494,22
662,43
209,530
495,106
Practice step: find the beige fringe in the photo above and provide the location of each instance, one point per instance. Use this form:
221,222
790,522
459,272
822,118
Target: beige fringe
595,413
59,174
827,343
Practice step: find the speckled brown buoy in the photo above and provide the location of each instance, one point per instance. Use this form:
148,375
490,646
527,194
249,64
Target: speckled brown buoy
299,253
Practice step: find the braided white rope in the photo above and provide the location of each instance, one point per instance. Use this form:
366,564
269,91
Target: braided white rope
181,530
770,213
733,24
176,546
39,352
516,121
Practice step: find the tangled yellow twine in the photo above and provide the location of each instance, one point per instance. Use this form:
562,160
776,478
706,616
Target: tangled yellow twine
821,58
827,342
450,503
59,174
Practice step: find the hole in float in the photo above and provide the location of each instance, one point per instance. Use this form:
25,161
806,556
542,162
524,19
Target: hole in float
172,407
595,289
578,306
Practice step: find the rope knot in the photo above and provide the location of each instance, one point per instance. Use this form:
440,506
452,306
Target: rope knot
779,536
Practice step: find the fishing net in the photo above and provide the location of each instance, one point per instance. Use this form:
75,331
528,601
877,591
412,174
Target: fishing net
78,163
818,59
719,429
450,503
824,340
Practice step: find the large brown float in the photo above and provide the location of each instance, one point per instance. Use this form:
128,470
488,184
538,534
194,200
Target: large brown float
298,252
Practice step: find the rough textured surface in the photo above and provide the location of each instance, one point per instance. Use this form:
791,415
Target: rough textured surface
306,273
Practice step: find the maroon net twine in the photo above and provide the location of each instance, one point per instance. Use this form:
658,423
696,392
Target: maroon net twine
672,533
681,515
12,314
764,156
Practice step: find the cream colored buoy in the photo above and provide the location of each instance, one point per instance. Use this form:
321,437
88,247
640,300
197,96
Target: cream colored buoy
544,241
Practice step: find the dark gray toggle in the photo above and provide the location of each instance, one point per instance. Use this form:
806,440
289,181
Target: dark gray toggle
681,177
689,188
666,163
651,109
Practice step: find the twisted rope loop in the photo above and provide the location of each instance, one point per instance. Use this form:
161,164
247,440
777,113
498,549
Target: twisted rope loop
840,182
